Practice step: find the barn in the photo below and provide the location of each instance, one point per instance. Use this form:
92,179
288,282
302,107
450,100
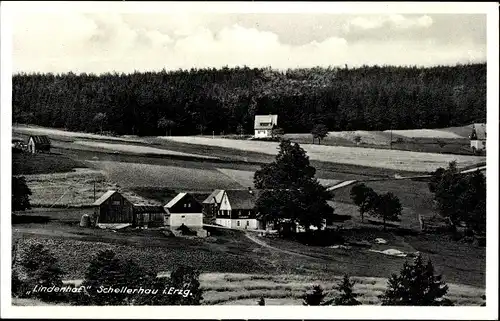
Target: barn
37,144
184,209
113,208
149,215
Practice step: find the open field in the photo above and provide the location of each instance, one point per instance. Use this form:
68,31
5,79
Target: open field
247,289
28,164
53,132
72,188
173,177
136,149
391,159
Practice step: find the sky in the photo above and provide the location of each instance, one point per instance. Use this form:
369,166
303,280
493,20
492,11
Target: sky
112,42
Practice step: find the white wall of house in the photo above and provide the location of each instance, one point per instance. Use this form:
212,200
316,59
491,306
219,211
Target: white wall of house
224,204
250,224
223,221
189,219
478,144
31,146
262,133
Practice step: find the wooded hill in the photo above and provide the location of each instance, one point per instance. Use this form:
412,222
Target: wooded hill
226,100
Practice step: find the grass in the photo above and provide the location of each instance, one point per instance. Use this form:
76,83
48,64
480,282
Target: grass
29,164
152,248
390,159
73,188
172,177
136,149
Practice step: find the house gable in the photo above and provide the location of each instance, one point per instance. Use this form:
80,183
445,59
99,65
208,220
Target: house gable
184,203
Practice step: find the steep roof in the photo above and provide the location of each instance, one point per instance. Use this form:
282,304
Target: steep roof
242,199
480,130
104,197
41,140
216,194
271,119
140,209
176,199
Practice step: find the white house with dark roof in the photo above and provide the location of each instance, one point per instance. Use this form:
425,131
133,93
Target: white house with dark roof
184,209
264,125
237,210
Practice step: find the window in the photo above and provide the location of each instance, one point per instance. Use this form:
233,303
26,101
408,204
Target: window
183,216
116,203
237,223
248,223
189,204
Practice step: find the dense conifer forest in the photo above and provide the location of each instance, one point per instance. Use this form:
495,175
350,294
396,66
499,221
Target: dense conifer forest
225,100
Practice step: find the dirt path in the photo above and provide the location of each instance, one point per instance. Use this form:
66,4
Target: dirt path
264,244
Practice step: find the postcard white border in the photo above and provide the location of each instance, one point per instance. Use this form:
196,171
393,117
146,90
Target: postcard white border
249,312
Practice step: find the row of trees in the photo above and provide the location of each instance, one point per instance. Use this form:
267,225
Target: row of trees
105,271
460,197
386,206
416,285
225,100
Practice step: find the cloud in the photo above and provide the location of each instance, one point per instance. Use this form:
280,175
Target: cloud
124,43
389,21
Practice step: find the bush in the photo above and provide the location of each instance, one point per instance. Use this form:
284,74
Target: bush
42,270
314,296
347,296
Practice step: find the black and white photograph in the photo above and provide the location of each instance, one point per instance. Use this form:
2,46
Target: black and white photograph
273,159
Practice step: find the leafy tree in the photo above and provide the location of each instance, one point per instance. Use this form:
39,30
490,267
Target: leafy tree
17,285
41,269
292,193
241,129
364,197
314,296
388,207
20,194
416,285
187,278
319,132
347,296
460,197
277,133
167,125
100,118
261,301
108,271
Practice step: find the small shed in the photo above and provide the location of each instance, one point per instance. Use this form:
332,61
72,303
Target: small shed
478,138
38,144
113,207
149,215
184,209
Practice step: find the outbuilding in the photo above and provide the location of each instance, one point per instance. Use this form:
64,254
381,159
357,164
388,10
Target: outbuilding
184,209
113,208
37,144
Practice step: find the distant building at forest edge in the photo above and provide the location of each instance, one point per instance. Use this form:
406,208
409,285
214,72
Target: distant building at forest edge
264,125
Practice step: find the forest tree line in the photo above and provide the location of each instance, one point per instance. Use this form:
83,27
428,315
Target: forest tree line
224,101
